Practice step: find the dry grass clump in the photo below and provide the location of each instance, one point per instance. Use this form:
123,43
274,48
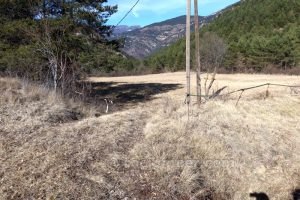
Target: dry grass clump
224,151
38,101
151,151
43,156
18,92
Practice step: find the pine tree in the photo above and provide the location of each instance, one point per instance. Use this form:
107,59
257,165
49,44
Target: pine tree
58,40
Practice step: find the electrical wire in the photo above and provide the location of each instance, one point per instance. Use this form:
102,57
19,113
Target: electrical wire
113,28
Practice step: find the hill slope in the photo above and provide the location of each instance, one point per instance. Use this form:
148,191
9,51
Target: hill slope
260,34
140,43
123,28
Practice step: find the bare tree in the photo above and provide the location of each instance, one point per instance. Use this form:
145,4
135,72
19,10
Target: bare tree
57,57
213,51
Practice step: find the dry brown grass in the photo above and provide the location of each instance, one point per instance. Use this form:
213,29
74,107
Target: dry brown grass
233,81
226,149
151,151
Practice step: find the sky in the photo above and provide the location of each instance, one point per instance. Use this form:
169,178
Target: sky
151,11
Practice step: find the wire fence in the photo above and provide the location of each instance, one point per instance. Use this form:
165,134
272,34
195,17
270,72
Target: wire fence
242,90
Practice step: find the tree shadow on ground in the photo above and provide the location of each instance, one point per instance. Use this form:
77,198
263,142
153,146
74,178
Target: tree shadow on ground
124,95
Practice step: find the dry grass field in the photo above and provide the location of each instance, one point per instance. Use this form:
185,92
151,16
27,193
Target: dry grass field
234,82
147,147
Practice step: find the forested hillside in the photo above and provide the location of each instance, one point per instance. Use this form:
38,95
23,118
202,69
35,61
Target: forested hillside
261,35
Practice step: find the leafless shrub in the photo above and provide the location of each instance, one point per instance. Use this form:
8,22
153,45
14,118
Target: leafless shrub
52,48
213,51
59,61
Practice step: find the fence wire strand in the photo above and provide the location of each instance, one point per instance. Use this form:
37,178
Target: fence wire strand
242,90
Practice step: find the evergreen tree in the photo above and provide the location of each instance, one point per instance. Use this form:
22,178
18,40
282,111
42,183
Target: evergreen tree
58,40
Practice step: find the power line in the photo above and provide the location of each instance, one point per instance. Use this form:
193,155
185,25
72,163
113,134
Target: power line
113,28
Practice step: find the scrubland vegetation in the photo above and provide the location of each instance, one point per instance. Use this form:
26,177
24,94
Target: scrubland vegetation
56,148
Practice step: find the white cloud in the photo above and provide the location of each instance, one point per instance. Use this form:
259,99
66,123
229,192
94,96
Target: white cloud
135,13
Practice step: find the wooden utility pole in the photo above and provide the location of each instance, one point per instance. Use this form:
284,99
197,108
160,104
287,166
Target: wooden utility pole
188,52
197,52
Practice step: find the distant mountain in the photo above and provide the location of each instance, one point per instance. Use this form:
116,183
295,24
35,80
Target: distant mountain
261,34
123,29
181,20
142,42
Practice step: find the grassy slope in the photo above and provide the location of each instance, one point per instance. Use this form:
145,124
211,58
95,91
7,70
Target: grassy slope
224,152
259,33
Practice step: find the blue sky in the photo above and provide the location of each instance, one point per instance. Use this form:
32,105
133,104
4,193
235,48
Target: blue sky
150,11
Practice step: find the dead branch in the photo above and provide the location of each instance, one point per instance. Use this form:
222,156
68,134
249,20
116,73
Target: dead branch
212,80
217,93
239,97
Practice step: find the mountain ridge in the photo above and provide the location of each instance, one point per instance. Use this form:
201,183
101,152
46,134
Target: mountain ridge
142,42
124,28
